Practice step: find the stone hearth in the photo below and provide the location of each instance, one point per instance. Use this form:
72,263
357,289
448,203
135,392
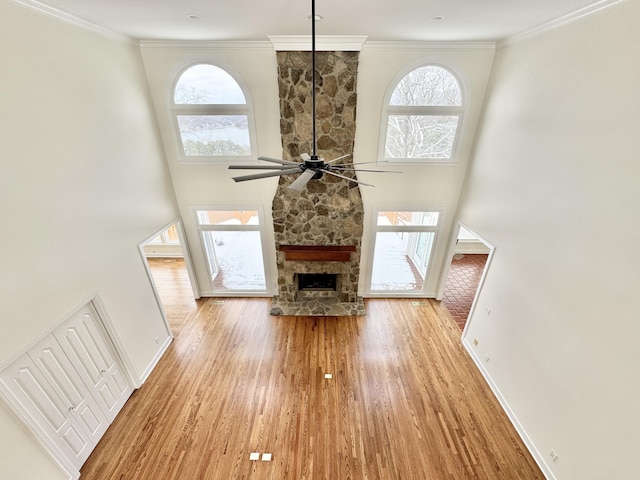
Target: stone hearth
318,230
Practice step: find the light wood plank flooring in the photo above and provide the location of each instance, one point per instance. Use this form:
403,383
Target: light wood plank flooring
405,401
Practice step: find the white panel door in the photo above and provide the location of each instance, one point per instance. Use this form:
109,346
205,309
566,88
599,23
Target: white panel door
57,417
95,360
64,379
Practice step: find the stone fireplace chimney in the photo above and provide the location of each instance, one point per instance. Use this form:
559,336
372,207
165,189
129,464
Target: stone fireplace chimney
318,231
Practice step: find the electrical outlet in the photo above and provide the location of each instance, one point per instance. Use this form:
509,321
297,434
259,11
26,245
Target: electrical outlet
553,455
475,342
487,358
487,310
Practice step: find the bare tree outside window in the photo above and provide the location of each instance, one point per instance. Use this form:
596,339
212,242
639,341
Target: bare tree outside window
433,86
423,115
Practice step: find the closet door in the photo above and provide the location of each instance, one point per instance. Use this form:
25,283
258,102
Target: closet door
91,353
65,381
69,386
57,409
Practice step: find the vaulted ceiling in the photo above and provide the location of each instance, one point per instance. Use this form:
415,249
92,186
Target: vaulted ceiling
379,20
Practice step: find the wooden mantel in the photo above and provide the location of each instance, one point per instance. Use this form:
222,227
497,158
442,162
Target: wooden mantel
318,253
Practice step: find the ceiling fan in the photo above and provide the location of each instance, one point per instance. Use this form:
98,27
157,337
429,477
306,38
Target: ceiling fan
312,167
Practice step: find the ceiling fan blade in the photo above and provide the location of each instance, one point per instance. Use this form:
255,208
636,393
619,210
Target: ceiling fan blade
255,176
339,158
300,182
347,178
366,163
259,167
347,169
277,160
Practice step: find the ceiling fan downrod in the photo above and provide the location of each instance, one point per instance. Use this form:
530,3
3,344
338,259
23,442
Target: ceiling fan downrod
314,154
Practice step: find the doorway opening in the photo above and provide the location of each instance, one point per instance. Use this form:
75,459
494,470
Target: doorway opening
470,256
170,271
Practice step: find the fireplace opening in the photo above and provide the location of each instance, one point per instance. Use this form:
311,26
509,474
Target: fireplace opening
324,282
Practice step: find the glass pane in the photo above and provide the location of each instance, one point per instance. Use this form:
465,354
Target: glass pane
235,260
214,135
393,263
157,240
421,252
427,86
228,217
420,136
207,85
171,235
408,218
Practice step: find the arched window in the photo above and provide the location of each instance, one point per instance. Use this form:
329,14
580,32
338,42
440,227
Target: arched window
213,117
423,116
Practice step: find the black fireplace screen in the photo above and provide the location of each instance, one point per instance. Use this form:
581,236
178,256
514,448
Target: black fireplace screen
317,281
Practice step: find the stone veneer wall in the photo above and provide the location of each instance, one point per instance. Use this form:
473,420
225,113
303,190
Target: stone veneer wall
328,211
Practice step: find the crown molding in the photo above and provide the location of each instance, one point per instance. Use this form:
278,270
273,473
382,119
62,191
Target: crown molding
300,43
430,45
73,20
558,22
219,44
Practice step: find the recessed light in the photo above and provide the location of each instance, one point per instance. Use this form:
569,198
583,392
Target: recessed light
194,17
437,18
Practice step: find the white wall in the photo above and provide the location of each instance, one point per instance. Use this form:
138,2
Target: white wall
82,182
422,186
554,186
254,65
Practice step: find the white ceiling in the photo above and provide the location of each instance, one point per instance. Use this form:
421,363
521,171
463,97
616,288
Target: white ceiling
379,20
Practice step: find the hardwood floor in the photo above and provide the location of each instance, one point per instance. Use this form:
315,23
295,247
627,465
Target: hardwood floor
405,401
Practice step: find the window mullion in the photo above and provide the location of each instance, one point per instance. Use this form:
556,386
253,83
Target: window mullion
210,109
406,228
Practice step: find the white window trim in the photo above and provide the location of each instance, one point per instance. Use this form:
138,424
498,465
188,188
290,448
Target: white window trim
216,109
388,109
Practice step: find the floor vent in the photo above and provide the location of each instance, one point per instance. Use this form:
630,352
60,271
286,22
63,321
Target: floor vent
419,304
217,302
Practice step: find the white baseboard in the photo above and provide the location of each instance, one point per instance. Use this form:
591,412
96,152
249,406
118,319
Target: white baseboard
155,360
535,453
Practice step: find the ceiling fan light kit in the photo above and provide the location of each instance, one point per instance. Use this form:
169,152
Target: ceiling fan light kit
312,167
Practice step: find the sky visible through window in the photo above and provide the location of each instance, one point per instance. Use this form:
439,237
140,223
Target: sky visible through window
211,113
208,85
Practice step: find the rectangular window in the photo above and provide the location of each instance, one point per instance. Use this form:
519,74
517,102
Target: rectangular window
228,217
232,243
404,242
408,218
420,136
214,135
